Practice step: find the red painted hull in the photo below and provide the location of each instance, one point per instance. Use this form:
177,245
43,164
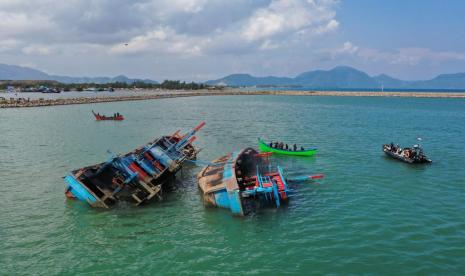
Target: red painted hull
105,118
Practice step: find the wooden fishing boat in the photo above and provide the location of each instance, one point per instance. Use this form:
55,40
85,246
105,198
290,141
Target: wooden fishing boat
266,148
243,181
412,155
135,177
116,117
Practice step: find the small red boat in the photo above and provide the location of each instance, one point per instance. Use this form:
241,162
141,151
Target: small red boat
115,117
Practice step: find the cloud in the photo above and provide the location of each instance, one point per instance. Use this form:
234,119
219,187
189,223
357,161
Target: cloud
202,23
347,48
36,50
409,56
287,17
207,31
9,44
161,40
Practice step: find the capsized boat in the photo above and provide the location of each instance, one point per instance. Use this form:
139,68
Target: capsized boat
136,177
115,117
243,181
266,148
408,155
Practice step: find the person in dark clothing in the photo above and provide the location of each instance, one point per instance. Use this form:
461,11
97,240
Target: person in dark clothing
287,147
295,147
271,144
302,148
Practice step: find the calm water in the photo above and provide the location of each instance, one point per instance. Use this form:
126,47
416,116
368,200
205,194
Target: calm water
370,213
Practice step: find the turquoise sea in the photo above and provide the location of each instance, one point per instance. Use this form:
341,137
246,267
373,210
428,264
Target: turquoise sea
370,214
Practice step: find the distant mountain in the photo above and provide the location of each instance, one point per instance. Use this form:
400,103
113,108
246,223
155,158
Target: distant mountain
343,77
339,77
248,80
390,82
14,72
449,81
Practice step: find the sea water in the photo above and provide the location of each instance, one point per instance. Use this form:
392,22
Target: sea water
370,214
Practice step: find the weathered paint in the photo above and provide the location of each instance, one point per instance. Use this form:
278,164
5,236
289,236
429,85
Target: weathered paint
76,188
233,194
264,185
222,199
235,203
139,174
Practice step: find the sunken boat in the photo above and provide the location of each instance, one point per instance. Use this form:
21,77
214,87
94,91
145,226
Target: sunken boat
136,177
413,155
242,182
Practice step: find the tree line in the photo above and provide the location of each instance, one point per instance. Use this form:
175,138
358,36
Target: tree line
167,84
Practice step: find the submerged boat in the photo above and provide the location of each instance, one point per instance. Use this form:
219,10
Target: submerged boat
242,182
267,148
408,155
115,117
136,177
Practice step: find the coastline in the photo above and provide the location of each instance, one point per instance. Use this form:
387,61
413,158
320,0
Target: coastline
20,102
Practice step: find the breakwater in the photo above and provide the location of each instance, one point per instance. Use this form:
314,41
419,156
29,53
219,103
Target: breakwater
27,102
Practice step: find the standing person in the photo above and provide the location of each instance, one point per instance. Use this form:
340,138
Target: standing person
271,144
287,147
295,147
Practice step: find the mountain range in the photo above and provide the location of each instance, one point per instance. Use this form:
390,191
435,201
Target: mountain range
341,77
14,72
344,77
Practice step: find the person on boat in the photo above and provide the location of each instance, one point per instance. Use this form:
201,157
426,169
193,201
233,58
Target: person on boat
295,147
281,146
271,144
302,148
287,147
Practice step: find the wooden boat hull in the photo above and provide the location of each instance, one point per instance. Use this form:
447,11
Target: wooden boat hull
99,117
103,118
136,177
240,182
266,148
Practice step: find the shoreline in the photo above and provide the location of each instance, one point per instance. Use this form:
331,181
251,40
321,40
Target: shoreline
166,94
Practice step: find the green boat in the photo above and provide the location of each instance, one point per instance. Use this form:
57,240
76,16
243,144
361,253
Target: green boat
266,148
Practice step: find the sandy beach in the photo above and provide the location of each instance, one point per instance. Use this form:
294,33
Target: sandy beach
23,99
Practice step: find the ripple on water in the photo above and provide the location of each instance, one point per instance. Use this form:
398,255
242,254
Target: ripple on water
369,214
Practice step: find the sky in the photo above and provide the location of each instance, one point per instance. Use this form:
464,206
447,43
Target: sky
207,39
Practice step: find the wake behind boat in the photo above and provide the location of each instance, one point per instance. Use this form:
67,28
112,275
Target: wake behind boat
408,155
281,148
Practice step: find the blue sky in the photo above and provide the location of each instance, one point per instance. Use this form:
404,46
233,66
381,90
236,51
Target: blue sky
207,39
